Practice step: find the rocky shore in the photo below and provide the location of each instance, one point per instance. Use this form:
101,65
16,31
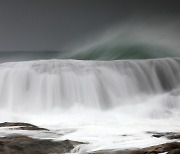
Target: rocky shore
26,145
20,144
167,148
21,126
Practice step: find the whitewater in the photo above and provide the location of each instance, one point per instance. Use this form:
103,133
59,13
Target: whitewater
107,104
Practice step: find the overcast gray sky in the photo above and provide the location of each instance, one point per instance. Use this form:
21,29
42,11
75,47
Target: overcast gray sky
56,24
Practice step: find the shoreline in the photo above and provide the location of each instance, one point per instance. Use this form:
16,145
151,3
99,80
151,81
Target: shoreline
23,144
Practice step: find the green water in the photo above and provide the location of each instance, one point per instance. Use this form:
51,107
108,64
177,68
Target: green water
116,52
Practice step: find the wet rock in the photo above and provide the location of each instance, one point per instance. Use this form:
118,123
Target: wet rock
162,148
26,145
110,152
169,148
169,135
174,136
21,126
175,151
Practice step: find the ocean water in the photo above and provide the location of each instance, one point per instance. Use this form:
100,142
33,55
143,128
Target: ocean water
107,104
108,93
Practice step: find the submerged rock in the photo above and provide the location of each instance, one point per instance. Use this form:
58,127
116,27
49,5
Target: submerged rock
21,126
26,145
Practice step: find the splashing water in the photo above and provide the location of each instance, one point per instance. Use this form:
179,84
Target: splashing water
110,104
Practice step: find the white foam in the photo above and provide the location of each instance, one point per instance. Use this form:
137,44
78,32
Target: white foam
110,105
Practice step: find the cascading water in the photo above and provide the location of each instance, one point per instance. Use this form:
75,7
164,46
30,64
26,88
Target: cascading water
106,97
58,84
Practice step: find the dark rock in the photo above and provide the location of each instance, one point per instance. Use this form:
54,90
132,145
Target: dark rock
174,136
168,135
167,147
170,148
157,135
110,152
21,126
175,151
26,145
